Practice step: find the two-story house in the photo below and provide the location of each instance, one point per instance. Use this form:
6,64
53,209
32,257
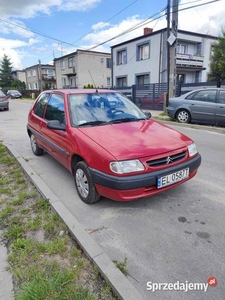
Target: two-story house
143,60
39,77
83,68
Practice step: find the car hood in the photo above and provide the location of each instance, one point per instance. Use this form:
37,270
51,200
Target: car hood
136,139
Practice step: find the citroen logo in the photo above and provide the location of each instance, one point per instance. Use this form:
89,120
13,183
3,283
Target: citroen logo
169,160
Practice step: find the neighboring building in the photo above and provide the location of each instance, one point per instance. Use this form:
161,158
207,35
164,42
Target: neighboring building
39,77
143,60
20,75
83,67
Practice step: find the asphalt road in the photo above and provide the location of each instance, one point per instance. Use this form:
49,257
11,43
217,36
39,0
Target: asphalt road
175,237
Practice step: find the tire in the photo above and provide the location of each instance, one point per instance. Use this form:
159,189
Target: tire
84,183
36,150
183,116
6,108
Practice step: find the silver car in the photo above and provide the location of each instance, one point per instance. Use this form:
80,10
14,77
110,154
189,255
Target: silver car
4,102
201,106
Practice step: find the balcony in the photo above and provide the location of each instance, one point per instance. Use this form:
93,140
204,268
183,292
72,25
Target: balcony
189,61
48,78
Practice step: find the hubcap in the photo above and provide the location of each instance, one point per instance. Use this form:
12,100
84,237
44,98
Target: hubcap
33,143
82,183
183,116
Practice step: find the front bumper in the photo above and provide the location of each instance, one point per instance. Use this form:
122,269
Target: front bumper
130,187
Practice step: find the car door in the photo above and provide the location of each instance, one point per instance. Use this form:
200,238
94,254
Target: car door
220,108
36,118
202,105
56,140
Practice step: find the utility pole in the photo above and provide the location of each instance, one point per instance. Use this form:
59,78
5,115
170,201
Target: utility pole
168,52
39,76
173,42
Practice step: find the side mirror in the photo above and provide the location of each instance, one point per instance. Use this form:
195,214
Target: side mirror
148,114
56,125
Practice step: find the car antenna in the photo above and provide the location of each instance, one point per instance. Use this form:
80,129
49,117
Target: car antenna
96,90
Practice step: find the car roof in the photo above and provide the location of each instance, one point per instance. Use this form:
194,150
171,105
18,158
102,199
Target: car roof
81,91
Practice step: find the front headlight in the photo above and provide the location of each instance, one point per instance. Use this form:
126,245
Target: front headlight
126,166
192,149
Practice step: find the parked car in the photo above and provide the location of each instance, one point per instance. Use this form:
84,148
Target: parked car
152,101
4,102
109,145
202,106
14,94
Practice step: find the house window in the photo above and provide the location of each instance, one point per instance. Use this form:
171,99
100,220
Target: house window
63,81
143,51
34,73
199,49
70,62
29,86
72,81
108,63
197,76
50,73
62,62
29,74
35,86
142,79
121,57
108,81
182,49
121,81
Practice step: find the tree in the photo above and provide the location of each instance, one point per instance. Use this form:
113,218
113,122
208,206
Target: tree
5,72
18,84
217,63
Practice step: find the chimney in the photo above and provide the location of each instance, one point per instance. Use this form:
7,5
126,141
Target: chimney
147,30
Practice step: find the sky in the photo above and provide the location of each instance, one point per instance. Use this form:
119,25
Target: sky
46,29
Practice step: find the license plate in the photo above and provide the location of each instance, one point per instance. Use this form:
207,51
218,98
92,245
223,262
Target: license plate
172,178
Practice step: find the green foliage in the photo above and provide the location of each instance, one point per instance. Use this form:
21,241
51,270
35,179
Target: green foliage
89,86
217,63
18,84
5,72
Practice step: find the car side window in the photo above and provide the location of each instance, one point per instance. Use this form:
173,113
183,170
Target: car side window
55,109
40,105
204,95
221,98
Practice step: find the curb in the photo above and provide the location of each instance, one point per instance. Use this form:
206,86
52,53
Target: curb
120,285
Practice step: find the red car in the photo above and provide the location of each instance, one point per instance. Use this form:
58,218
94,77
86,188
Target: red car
152,101
109,145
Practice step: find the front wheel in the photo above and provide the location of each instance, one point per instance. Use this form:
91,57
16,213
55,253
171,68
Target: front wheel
183,116
84,183
36,150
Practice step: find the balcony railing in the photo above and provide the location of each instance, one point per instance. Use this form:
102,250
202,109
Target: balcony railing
47,77
189,60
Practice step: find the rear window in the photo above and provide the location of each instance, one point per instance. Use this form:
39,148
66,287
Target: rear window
1,93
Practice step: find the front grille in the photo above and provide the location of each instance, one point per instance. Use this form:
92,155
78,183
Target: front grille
166,160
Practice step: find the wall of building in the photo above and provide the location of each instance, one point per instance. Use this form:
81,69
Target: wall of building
133,67
92,69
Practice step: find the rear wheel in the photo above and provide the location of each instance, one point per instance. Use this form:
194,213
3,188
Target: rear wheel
84,183
183,116
36,150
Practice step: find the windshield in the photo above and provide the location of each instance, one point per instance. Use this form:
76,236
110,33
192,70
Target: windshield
102,108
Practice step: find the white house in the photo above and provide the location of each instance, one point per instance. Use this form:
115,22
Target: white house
143,60
83,67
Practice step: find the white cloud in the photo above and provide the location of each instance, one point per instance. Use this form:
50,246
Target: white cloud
78,5
29,9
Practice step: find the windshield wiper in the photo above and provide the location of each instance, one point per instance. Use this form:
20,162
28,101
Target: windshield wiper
122,120
97,122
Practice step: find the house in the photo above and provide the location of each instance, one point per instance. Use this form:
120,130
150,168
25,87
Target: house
20,75
143,60
83,67
39,77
